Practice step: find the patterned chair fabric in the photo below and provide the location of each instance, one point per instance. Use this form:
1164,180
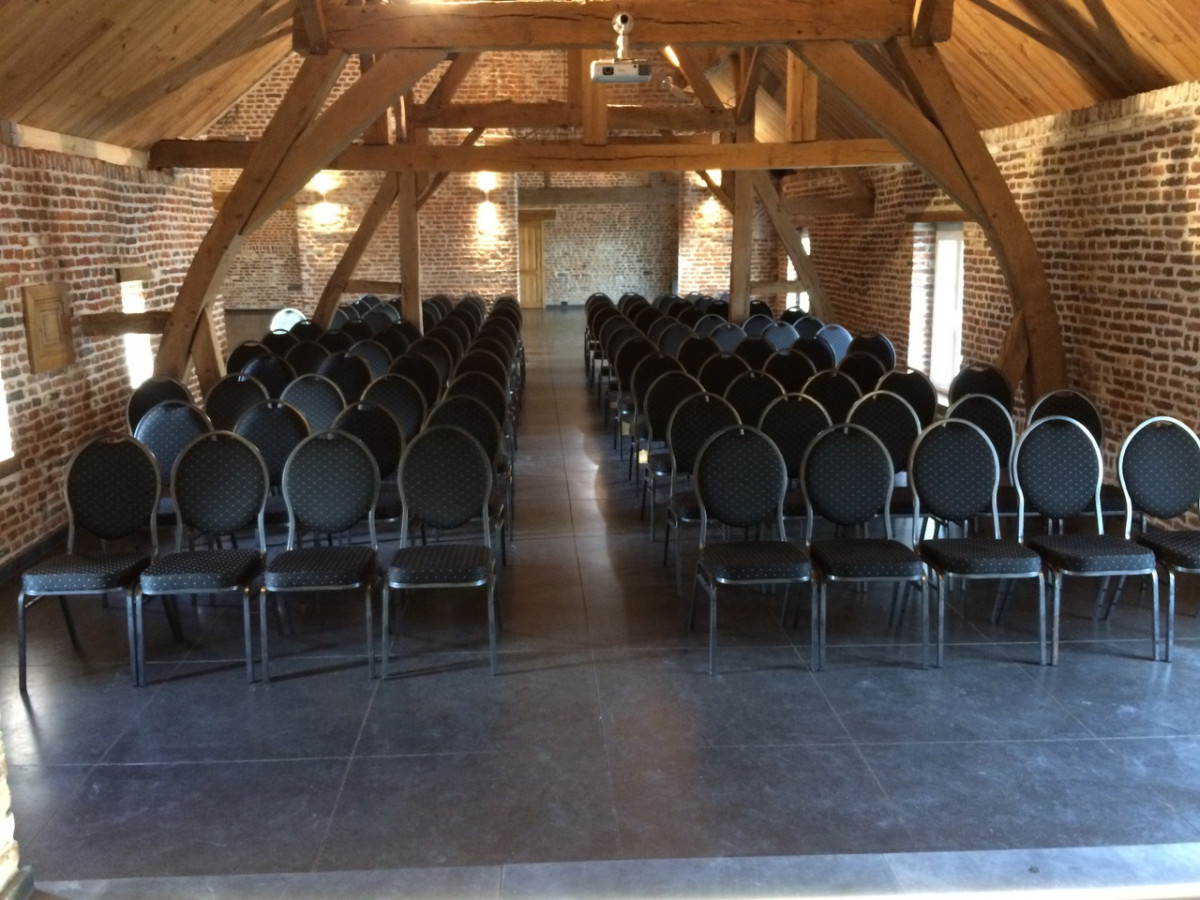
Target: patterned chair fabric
876,344
915,387
374,354
274,373
954,476
707,324
756,351
349,372
792,370
318,398
1073,405
242,354
169,427
150,393
279,341
751,392
741,479
1159,468
982,378
781,336
220,485
330,485
718,372
864,368
231,396
847,478
838,338
835,391
306,357
445,482
695,351
111,486
816,352
673,337
727,336
437,353
400,396
662,397
755,325
423,373
1058,471
453,342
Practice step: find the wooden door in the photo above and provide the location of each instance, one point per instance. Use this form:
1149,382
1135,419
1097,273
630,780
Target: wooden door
533,277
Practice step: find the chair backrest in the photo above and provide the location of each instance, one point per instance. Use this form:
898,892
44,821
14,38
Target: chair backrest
755,325
317,397
349,372
472,415
792,421
451,341
307,330
1057,469
665,393
989,414
274,373
807,325
422,372
837,337
1072,404
1159,468
112,487
330,484
876,344
374,354
708,323
889,417
152,391
780,335
654,331
751,392
741,480
815,351
791,370
954,473
484,389
756,351
401,397
220,484
380,318
848,477
692,423
648,369
445,480
231,396
306,357
835,391
377,429
673,337
632,352
275,428
718,372
436,352
982,378
864,368
336,341
695,351
279,342
394,339
243,353
915,387
167,428
475,360
728,336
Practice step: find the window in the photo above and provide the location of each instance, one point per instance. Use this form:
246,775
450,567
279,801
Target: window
799,298
139,361
935,324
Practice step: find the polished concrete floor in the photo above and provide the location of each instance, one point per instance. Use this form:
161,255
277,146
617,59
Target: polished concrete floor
603,760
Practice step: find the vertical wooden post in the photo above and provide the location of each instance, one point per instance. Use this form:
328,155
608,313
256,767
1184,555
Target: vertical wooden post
410,249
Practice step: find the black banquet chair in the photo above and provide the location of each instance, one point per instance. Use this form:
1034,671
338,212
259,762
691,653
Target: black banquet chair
1058,471
954,473
150,393
112,488
741,479
1159,468
445,483
330,485
220,486
231,396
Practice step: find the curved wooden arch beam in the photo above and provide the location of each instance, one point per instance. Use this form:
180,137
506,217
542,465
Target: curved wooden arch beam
220,245
942,139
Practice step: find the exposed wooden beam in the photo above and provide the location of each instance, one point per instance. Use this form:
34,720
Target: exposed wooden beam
557,114
692,66
410,249
220,244
654,195
937,213
437,178
890,112
811,207
1001,219
530,156
376,212
932,21
373,286
207,361
345,119
107,324
751,74
593,99
777,287
562,24
27,136
791,240
451,80
310,16
716,190
800,112
742,249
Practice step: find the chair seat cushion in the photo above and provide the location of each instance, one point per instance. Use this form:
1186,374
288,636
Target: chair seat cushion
755,561
659,462
77,573
684,507
1178,549
200,571
865,558
980,556
320,567
1092,553
432,564
795,505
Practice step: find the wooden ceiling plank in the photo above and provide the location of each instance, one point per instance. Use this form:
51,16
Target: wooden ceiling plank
555,157
1002,221
842,70
346,118
792,242
561,24
373,216
303,100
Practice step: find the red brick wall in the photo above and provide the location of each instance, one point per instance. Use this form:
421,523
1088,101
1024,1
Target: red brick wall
72,220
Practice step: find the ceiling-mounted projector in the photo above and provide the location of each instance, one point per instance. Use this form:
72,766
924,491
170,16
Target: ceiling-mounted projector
621,69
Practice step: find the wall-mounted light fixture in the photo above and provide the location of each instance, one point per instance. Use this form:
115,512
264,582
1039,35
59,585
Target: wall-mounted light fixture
325,214
487,219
